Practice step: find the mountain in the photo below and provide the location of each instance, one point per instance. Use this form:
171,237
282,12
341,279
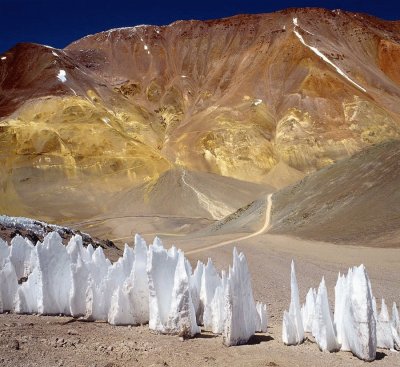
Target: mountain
241,94
266,98
355,200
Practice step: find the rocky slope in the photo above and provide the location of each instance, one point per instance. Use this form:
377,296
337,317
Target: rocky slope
238,95
35,231
354,201
263,98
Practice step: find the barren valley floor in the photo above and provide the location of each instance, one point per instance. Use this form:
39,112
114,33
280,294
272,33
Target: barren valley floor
55,341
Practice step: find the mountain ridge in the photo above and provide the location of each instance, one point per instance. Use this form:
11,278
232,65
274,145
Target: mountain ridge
265,98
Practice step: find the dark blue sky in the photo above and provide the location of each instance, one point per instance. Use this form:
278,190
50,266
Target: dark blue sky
57,23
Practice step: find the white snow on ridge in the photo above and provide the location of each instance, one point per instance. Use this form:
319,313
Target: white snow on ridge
323,57
62,76
3,57
146,47
54,53
296,24
134,28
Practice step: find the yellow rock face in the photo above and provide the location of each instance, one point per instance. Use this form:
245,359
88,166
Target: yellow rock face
65,146
261,98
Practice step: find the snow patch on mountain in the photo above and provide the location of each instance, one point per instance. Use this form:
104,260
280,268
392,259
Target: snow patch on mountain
62,76
106,120
323,56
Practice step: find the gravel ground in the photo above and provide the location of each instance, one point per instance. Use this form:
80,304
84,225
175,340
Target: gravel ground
28,340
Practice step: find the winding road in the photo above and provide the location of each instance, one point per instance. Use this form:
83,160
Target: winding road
263,229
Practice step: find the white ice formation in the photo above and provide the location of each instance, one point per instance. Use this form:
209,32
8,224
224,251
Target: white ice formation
384,335
308,310
171,306
146,285
322,327
214,315
340,303
54,266
395,324
356,327
263,315
357,319
210,281
241,316
354,318
292,328
9,286
195,287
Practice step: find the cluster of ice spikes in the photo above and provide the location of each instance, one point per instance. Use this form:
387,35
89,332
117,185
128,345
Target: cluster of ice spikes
356,326
148,284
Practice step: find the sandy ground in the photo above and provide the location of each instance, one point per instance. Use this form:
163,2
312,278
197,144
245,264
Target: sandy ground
55,341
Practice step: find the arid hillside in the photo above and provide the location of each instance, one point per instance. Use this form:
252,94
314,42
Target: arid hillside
265,99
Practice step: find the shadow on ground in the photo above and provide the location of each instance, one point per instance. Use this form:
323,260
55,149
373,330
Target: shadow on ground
260,338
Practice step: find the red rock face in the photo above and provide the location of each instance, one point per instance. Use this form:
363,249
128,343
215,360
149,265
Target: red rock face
261,73
301,88
29,71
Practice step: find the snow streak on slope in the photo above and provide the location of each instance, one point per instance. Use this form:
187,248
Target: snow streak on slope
217,209
263,229
323,57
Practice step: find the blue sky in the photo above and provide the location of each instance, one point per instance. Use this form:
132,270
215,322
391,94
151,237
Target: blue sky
57,23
